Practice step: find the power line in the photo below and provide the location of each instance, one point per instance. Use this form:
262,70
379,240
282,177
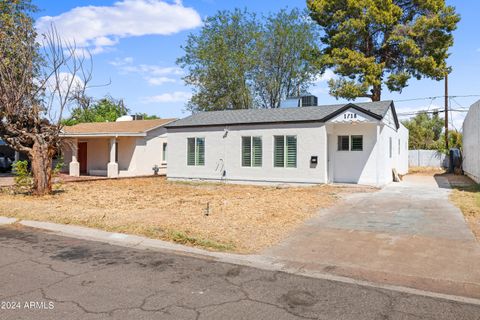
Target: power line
436,97
412,113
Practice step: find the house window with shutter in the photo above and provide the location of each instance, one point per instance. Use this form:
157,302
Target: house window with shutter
357,143
285,151
196,151
251,151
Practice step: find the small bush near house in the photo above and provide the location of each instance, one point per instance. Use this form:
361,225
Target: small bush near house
23,177
56,173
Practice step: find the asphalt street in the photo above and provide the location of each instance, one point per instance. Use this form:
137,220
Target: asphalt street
46,276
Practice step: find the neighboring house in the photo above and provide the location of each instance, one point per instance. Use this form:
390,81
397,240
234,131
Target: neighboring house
7,151
116,149
471,142
348,143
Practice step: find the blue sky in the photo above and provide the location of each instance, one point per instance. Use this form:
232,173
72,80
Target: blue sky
136,42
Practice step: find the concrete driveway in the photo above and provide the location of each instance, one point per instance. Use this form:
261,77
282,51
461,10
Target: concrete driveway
406,234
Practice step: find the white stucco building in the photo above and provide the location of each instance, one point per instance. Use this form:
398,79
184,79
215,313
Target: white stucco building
471,142
348,143
116,149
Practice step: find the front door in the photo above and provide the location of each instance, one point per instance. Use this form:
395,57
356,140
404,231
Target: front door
82,157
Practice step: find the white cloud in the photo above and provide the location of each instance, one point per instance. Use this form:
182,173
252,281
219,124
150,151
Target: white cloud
65,82
153,74
325,77
152,70
100,27
120,62
158,81
177,96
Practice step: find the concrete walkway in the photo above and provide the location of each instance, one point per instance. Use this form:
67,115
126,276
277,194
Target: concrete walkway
407,234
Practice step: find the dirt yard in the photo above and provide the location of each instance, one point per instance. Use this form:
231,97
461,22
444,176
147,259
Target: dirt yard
215,216
466,196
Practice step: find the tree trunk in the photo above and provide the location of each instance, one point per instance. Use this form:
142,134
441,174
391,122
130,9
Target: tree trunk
41,157
376,93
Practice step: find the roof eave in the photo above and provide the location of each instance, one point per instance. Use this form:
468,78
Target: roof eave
161,125
103,134
242,124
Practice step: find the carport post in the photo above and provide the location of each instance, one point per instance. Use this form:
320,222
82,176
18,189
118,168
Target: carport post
112,167
74,166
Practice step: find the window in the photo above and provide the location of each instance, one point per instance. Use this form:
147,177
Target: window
195,151
399,146
164,152
357,143
251,151
285,151
390,147
343,143
350,143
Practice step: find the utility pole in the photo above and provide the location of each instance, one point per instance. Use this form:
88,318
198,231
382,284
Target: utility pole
446,110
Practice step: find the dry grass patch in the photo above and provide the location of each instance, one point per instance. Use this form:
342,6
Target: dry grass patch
467,198
427,171
240,218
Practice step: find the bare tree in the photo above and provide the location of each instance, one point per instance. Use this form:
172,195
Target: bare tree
38,83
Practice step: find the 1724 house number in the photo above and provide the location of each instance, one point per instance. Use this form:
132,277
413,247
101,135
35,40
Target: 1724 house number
348,116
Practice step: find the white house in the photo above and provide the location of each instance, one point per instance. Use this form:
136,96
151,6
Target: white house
471,142
116,149
348,143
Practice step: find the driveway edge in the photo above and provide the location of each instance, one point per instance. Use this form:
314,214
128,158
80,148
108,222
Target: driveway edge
6,220
255,261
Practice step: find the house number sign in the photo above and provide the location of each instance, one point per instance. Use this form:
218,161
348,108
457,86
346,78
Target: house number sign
349,116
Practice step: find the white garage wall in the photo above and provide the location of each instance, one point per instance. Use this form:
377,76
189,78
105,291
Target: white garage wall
354,166
225,153
471,142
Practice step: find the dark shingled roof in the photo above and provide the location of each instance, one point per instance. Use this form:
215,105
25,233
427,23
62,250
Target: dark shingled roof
302,114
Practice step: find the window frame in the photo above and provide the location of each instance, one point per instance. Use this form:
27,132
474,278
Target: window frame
340,145
285,151
252,152
164,152
351,142
196,152
390,147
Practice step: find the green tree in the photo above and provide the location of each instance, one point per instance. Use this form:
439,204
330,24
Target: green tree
455,139
145,116
375,43
287,41
425,131
240,61
105,109
219,61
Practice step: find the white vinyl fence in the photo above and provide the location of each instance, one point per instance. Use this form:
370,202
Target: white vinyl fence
427,158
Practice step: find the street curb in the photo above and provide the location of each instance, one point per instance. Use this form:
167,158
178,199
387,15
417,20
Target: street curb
255,261
5,220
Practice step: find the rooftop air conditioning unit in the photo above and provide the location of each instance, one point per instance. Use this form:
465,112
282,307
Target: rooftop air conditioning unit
309,101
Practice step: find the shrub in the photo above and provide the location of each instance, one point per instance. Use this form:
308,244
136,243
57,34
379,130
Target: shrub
23,177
